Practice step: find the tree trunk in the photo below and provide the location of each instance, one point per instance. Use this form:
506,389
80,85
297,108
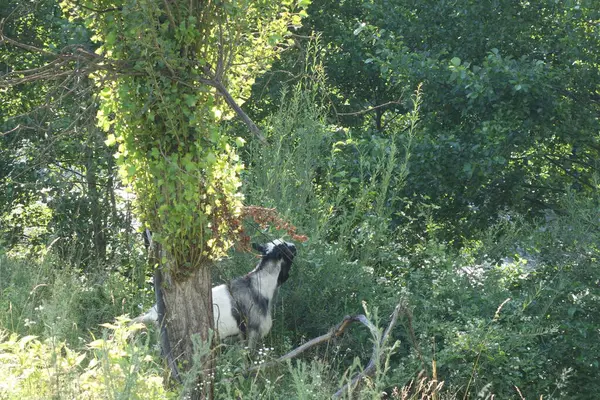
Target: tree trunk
188,304
99,238
378,119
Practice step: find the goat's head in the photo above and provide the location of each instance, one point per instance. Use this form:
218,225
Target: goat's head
277,253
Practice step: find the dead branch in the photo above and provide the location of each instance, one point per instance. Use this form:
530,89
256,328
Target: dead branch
368,110
377,355
336,331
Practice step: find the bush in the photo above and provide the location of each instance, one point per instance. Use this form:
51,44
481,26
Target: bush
110,368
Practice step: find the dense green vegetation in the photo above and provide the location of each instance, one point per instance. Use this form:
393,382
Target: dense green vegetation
438,155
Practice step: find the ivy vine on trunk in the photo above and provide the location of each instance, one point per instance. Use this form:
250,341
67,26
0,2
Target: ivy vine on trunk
168,72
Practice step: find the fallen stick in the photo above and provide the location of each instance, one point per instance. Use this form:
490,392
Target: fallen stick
377,354
334,332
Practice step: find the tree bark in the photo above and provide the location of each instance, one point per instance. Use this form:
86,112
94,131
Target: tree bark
188,304
99,238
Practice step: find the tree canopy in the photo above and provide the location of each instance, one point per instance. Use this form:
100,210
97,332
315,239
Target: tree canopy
510,106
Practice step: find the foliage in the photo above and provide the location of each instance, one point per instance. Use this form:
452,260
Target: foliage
509,322
56,170
46,299
110,368
473,201
164,116
510,105
476,312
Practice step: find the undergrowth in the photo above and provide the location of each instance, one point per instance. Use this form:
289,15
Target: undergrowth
511,314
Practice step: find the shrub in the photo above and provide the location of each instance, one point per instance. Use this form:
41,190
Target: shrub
110,368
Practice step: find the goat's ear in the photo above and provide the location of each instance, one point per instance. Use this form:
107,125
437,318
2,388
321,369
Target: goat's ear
259,247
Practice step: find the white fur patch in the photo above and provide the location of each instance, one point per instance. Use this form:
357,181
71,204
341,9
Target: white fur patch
266,281
225,324
271,245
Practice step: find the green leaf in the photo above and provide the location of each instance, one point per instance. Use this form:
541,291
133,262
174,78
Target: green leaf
110,140
455,61
131,170
239,142
189,100
111,38
360,28
211,158
214,136
468,169
274,39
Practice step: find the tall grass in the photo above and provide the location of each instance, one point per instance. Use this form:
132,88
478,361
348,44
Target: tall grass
43,297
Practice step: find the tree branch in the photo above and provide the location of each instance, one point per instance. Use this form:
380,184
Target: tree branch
377,355
368,110
238,110
16,128
567,171
170,14
59,68
336,332
6,39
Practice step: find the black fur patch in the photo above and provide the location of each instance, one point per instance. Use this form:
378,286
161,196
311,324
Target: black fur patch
243,286
260,301
254,327
237,315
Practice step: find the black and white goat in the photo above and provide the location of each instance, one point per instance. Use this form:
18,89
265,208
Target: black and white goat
242,307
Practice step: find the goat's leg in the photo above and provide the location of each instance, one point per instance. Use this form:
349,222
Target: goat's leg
253,337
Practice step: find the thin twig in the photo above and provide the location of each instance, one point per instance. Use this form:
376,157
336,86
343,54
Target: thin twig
16,128
371,108
170,15
6,39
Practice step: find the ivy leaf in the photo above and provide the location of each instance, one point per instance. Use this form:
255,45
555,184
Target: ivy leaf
211,158
131,170
190,100
110,140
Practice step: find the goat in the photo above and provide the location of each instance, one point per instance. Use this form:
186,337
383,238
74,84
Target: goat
242,307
